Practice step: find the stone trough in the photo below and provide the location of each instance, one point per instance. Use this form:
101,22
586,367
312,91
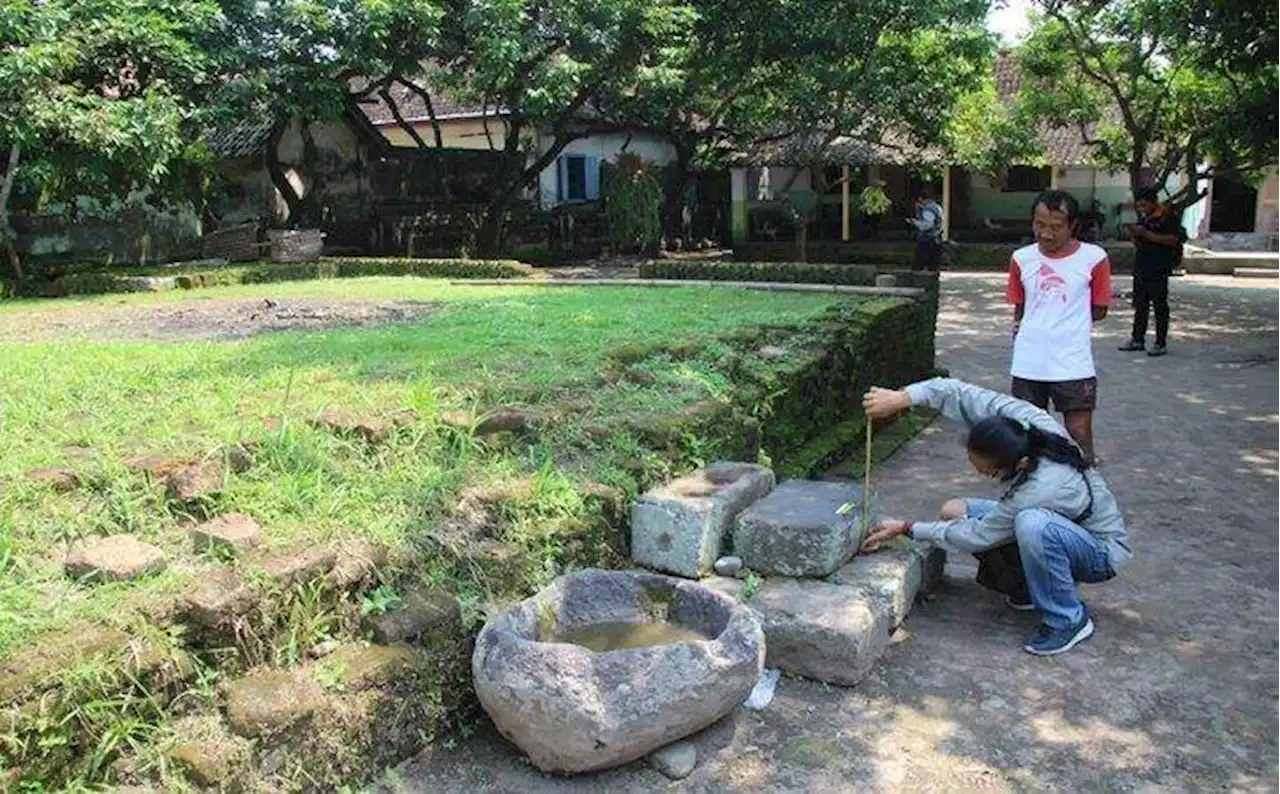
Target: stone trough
573,709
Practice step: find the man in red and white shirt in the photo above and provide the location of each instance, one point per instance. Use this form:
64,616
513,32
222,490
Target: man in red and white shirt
1059,288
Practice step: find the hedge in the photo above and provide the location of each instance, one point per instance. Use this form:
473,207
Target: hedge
159,279
787,272
960,256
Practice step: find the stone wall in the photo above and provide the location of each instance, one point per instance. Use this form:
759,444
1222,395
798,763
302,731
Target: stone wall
797,390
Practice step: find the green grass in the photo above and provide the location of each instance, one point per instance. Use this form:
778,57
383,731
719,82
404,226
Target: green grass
90,406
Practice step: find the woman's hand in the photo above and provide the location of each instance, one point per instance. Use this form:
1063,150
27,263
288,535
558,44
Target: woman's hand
882,403
882,533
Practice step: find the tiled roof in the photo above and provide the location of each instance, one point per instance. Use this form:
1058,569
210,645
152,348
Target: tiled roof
894,149
1062,145
411,105
240,139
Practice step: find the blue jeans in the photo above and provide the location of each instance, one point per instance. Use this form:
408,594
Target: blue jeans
1056,553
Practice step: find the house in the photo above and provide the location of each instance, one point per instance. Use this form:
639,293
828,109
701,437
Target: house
1239,216
977,207
343,152
572,178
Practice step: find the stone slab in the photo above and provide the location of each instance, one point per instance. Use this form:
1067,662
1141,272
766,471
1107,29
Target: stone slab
421,615
895,575
232,532
795,530
816,629
114,558
268,702
193,482
679,527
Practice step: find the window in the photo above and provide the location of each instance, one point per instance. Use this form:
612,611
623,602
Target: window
578,178
1026,179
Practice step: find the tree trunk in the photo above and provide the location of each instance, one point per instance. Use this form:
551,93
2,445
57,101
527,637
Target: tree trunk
293,203
310,166
673,201
6,229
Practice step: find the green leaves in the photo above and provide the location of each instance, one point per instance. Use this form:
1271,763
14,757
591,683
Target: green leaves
1159,84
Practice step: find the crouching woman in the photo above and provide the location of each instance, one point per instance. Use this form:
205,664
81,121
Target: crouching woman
1056,524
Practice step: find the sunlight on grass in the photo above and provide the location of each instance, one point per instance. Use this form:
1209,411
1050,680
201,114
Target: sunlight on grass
90,406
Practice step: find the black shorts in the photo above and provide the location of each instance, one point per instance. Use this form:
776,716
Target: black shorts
1067,395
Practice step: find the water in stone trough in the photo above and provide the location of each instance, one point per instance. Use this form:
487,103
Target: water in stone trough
602,637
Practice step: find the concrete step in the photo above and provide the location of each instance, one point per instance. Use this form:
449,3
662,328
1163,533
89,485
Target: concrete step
1255,272
1224,263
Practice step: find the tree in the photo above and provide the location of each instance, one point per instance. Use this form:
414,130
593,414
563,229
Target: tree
1158,86
95,98
542,66
312,61
806,74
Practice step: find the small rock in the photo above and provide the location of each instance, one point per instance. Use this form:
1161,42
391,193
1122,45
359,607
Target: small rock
269,702
498,420
223,596
271,762
729,566
240,456
886,280
193,482
376,665
300,566
676,760
201,763
373,430
61,480
234,531
772,352
404,417
356,563
322,649
115,558
157,467
419,614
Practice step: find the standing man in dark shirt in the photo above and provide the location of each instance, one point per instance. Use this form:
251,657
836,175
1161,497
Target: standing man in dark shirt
1158,237
928,223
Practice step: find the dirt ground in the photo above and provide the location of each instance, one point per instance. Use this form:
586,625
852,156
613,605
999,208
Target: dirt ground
1177,691
205,318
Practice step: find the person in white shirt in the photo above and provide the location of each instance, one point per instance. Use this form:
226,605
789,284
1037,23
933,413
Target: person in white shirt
1059,288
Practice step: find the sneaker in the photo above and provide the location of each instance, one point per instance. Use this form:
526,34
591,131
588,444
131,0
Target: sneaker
1158,350
1019,604
1050,642
1133,346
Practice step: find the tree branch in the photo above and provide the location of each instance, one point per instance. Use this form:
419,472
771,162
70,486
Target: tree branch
6,228
385,93
425,96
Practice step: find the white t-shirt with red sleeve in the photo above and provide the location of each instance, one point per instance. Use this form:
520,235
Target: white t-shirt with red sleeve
1054,341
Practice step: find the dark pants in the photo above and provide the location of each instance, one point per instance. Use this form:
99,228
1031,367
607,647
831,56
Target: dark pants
928,254
1000,569
1150,291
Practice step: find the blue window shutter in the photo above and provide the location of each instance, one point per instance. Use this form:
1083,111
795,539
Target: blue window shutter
591,166
562,179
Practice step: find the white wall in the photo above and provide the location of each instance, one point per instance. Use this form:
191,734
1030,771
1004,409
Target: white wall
607,148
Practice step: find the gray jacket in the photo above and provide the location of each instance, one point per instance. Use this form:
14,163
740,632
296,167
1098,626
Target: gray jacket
1051,486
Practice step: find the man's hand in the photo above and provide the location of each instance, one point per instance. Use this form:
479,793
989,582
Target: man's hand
1135,230
883,403
882,533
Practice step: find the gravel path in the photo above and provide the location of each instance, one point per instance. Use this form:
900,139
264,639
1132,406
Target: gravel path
1176,692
